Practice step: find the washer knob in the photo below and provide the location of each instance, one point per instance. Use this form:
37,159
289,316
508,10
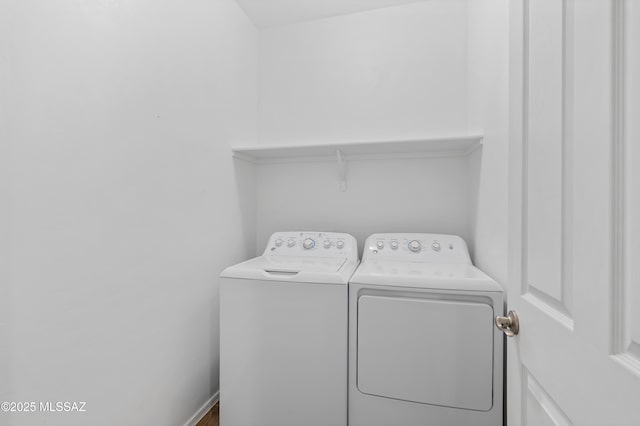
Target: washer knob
394,245
380,245
291,243
309,244
279,242
415,246
435,246
340,244
327,244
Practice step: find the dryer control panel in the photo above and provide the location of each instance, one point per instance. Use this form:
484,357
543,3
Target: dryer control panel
424,248
312,244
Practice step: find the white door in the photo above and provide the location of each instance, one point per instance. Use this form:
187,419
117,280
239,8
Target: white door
575,212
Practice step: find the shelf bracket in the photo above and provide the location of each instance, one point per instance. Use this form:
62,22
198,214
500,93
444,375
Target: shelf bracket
342,170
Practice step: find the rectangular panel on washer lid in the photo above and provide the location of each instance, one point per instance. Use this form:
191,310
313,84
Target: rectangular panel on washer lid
426,351
298,264
318,270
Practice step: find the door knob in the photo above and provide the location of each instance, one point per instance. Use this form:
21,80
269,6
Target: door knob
509,324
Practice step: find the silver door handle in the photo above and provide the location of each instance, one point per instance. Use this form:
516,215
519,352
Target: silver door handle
509,325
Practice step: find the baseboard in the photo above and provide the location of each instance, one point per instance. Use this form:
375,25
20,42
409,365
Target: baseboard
203,410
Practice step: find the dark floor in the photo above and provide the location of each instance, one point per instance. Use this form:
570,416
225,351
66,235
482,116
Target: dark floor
211,418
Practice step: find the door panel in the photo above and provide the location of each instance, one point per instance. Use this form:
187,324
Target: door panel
627,330
542,410
427,351
574,212
544,143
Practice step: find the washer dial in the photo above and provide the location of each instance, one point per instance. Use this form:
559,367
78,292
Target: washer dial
309,244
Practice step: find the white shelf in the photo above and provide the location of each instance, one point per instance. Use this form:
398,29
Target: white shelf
417,148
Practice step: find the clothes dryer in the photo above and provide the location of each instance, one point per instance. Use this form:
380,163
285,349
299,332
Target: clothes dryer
423,349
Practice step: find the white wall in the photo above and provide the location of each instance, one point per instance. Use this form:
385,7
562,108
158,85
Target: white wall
387,74
5,225
416,195
488,73
393,73
124,204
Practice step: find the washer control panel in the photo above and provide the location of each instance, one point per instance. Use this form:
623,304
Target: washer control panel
427,248
314,244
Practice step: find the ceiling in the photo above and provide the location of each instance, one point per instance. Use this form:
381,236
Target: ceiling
267,13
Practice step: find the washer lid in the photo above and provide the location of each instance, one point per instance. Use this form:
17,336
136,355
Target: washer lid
449,276
328,270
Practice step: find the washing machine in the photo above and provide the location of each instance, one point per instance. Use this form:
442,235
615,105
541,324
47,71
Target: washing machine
423,349
283,332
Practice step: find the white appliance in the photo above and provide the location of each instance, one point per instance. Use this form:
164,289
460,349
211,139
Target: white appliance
423,349
283,332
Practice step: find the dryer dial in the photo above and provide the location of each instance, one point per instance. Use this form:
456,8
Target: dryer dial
309,244
415,246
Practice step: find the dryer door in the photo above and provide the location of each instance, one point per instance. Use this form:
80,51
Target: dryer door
426,350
